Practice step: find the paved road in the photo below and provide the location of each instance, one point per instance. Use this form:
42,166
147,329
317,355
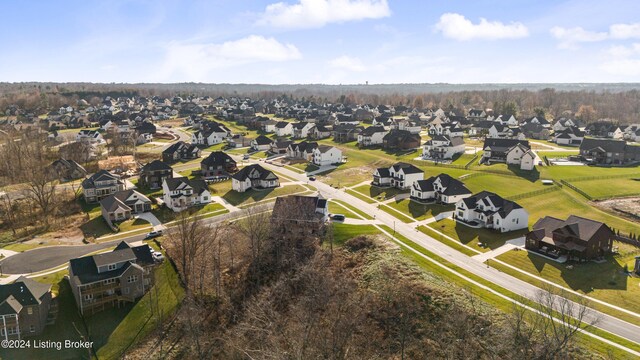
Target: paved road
45,258
606,322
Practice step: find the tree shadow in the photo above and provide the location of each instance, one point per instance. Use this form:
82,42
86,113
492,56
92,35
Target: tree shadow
531,175
236,198
95,227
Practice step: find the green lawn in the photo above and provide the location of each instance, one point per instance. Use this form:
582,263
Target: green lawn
20,247
471,237
398,214
304,166
562,203
344,232
359,196
419,211
605,281
97,227
250,196
336,208
502,185
569,172
452,244
609,188
462,159
133,224
353,209
379,193
164,214
557,154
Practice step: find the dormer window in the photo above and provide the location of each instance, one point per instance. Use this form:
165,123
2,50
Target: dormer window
111,267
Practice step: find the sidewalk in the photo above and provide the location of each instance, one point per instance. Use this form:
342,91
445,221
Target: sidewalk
508,246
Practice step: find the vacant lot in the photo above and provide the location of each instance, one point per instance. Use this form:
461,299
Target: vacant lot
502,185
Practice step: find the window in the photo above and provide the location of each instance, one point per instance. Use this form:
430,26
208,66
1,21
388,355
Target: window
30,310
126,290
109,281
132,278
88,297
111,266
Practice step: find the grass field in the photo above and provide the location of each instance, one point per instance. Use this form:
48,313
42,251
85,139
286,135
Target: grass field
605,281
165,214
504,186
335,208
344,232
450,243
471,237
398,214
250,196
359,196
609,188
557,154
354,209
378,192
417,211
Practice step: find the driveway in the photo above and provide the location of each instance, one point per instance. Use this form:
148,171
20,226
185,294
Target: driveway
152,219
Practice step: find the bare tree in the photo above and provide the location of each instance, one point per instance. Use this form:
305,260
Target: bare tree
255,226
184,242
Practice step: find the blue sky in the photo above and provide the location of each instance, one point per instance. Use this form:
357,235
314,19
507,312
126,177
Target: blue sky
320,41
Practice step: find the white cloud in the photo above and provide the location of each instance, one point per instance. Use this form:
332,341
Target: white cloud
570,37
317,13
625,31
456,26
347,63
197,60
623,60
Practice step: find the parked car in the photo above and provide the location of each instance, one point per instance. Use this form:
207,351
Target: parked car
312,178
157,256
338,218
245,157
153,234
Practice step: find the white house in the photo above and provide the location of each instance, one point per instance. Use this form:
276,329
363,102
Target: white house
372,136
510,151
570,136
443,147
90,137
212,136
181,193
399,175
488,210
442,188
261,143
326,155
254,177
301,130
302,150
410,126
453,130
283,128
521,156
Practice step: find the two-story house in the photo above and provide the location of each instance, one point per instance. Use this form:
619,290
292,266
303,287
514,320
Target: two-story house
302,150
180,151
442,189
261,143
488,210
90,137
101,185
400,175
218,164
181,193
326,155
372,136
113,278
254,177
152,174
301,130
283,128
442,147
24,308
509,151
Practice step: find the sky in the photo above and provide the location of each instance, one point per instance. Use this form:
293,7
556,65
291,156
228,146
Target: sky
320,41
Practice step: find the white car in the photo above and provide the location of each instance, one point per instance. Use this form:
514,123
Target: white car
157,256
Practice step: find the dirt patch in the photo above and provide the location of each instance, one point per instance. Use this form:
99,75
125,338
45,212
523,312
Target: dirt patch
628,208
70,235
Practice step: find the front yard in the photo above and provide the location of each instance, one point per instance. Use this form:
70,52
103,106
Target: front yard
417,211
471,237
379,193
250,196
165,215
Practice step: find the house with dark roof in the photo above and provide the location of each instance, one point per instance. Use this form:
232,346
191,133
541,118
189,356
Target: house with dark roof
153,174
442,147
302,150
261,143
509,151
319,132
254,177
122,205
299,216
24,308
346,132
372,136
577,238
283,128
113,278
68,170
181,193
280,146
401,139
608,152
214,133
180,151
400,175
569,136
326,155
442,189
488,210
101,185
218,164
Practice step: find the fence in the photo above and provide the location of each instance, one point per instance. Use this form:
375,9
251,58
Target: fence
574,188
619,176
534,193
467,165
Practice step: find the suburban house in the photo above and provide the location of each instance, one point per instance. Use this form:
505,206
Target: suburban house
280,146
123,204
576,237
213,135
401,139
101,185
535,131
268,125
504,131
605,129
153,174
477,114
372,136
400,175
218,163
569,136
488,210
608,152
283,128
326,155
510,151
180,151
442,147
24,308
182,193
68,170
254,177
319,132
90,137
299,216
453,130
302,150
238,141
301,130
407,125
261,143
442,189
109,279
564,123
346,132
